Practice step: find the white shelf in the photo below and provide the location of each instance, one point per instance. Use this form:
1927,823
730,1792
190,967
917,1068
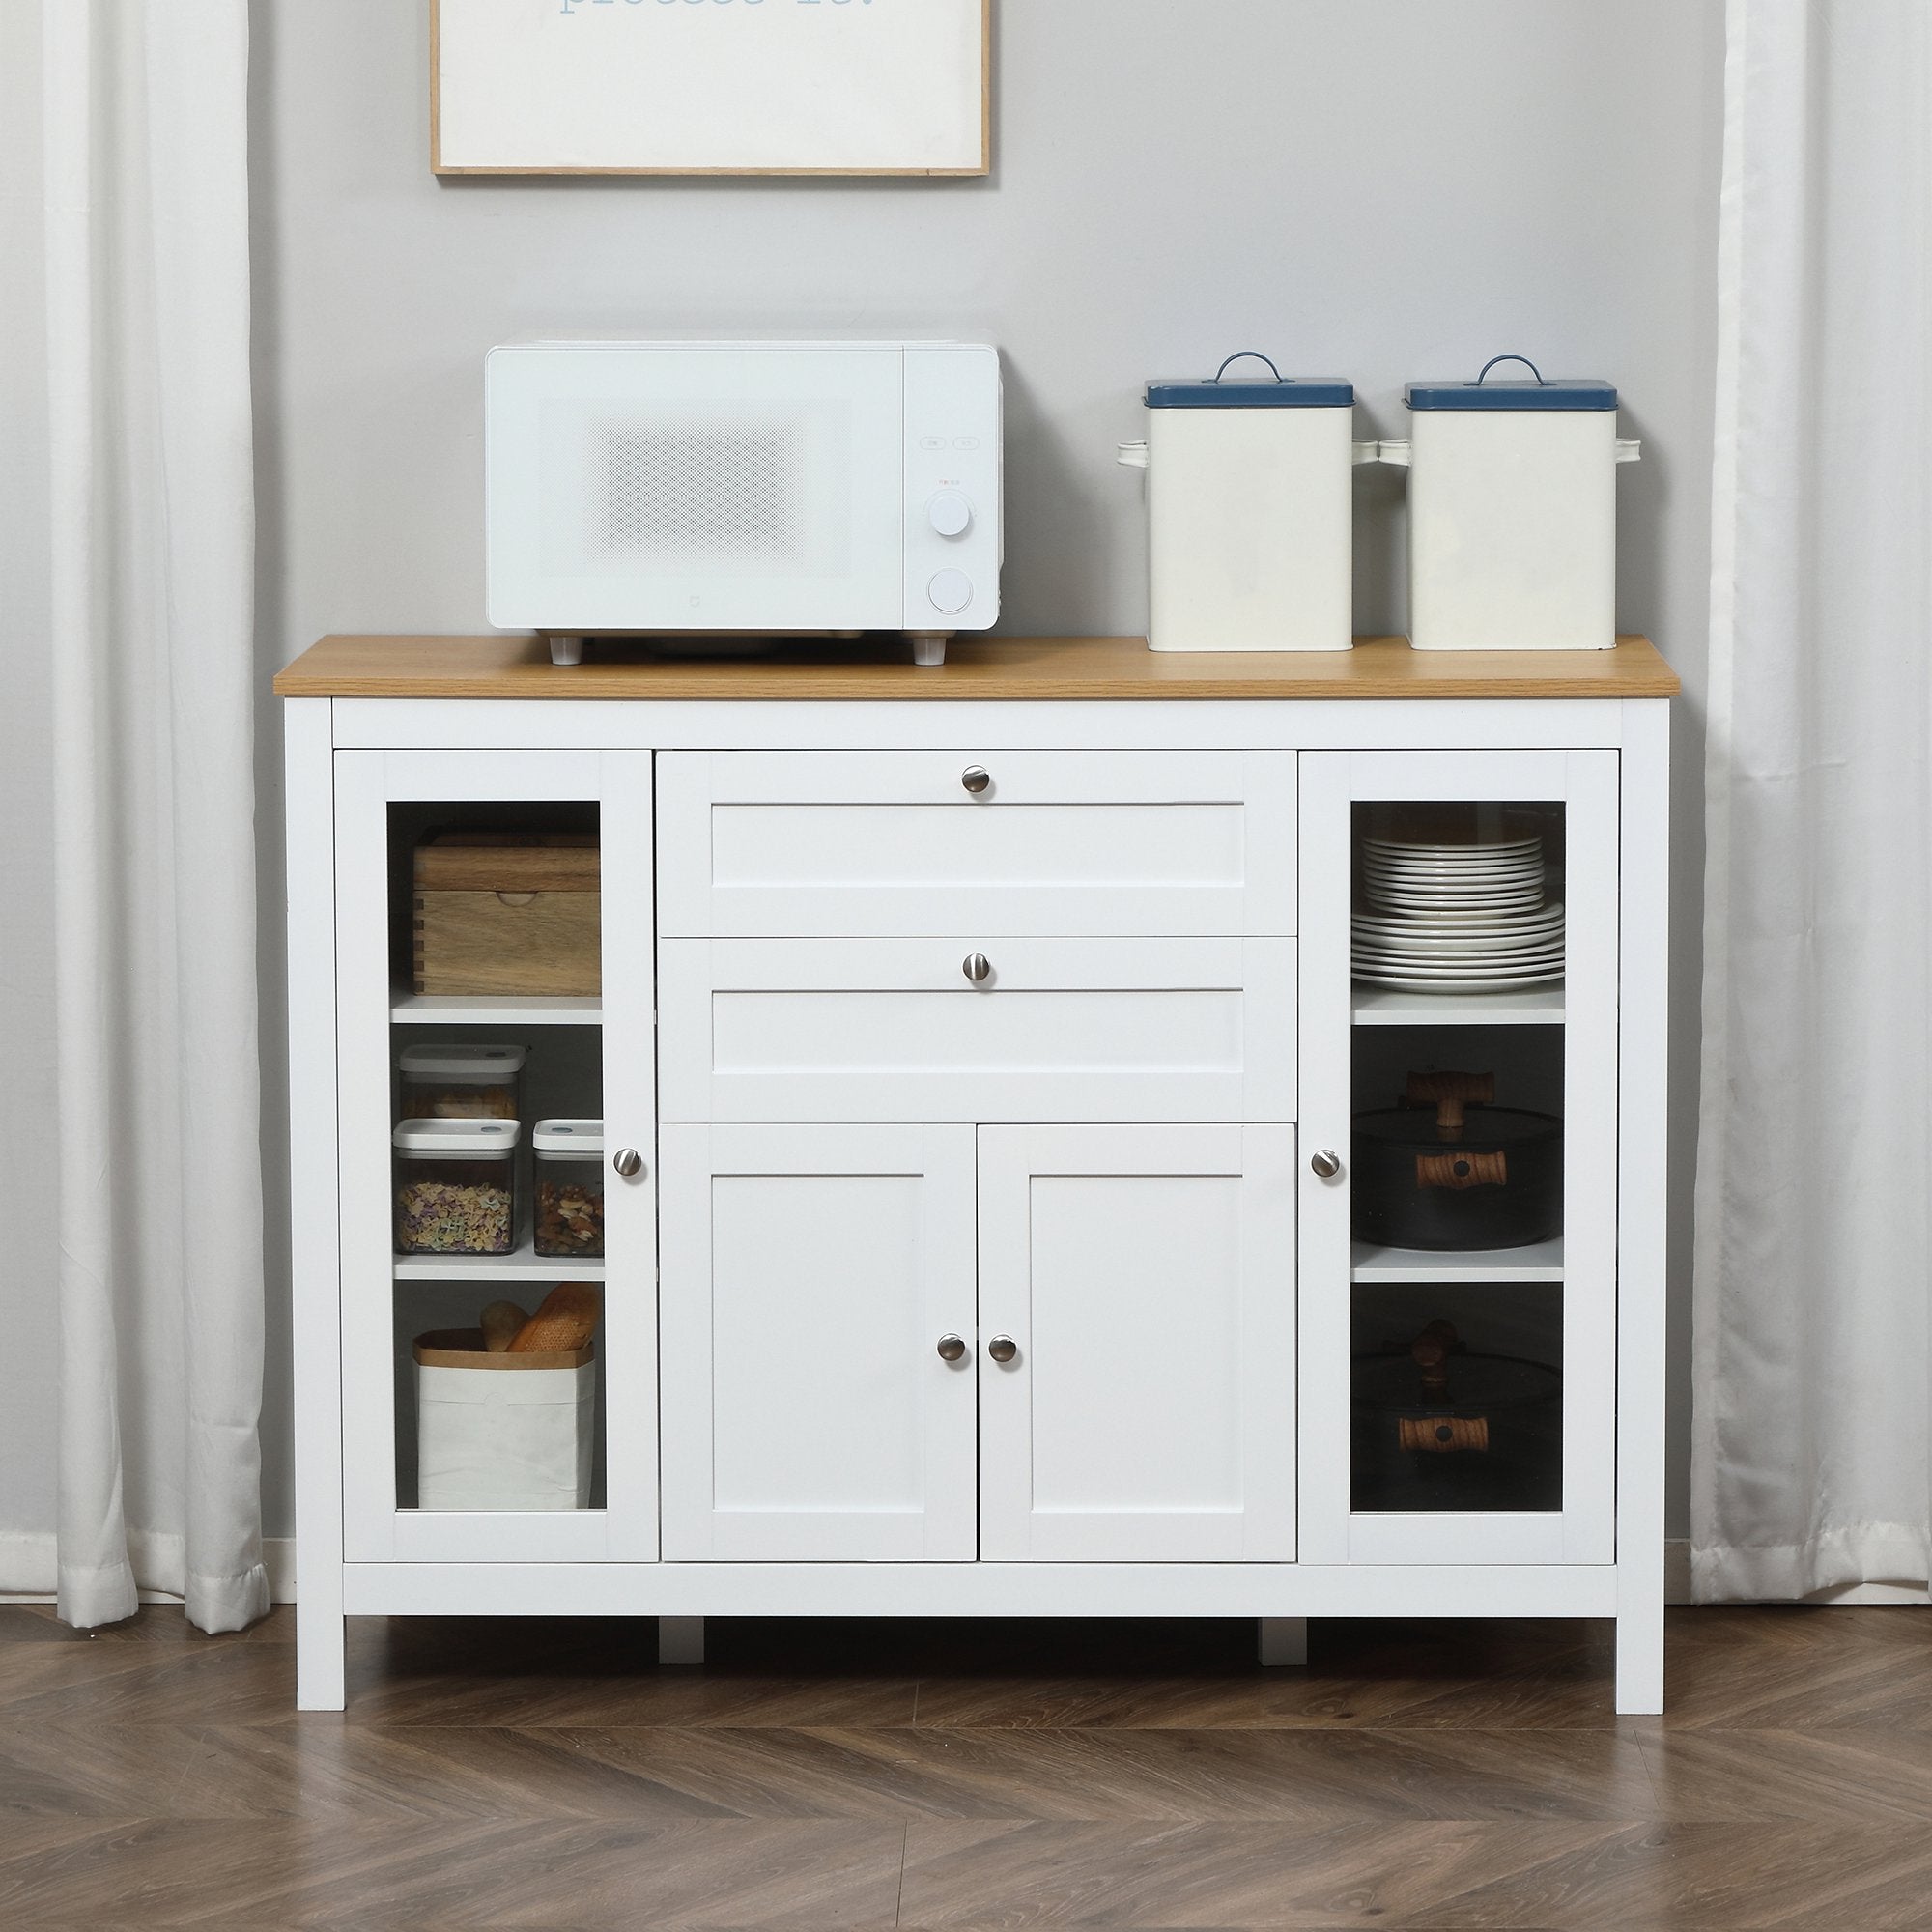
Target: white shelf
1543,1262
1384,1005
524,1263
425,1009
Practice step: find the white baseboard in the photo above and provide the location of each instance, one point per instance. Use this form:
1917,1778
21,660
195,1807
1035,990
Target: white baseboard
1677,1585
31,1557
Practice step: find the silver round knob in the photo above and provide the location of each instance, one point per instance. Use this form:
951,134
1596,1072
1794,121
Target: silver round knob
1003,1349
1326,1164
951,1348
628,1162
975,779
977,967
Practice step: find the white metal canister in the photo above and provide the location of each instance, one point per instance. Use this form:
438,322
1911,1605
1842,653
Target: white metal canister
1250,512
1512,513
503,1432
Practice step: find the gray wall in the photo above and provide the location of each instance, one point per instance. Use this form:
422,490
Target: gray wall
1383,190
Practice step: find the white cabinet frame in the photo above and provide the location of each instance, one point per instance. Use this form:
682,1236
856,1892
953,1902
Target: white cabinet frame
356,1560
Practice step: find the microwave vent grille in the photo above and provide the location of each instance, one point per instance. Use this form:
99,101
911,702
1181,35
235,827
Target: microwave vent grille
689,491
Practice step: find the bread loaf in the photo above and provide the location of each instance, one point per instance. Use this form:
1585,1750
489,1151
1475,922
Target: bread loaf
502,1323
566,1321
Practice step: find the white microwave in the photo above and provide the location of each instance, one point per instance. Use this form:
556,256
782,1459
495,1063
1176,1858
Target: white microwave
760,489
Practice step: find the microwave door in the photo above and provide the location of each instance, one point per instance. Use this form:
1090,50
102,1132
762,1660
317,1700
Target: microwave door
689,490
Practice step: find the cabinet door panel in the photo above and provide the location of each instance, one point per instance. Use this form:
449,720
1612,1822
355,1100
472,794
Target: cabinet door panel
587,1057
808,1274
1533,1355
1147,1276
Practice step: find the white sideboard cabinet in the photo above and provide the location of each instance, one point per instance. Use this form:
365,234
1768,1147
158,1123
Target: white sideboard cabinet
978,1050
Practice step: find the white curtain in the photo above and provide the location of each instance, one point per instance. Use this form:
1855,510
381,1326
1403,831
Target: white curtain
1814,1229
150,492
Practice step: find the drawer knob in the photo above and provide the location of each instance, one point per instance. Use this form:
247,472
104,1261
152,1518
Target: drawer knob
975,779
1003,1349
951,1348
977,967
628,1162
1326,1164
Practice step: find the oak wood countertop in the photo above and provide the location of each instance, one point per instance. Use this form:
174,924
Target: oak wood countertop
1049,668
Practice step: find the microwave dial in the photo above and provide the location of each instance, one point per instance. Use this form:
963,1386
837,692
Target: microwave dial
950,512
951,591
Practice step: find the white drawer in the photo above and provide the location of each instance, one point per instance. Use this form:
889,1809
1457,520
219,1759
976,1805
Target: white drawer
824,845
886,1029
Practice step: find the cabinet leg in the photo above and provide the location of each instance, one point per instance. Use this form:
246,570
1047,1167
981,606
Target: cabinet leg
1281,1642
681,1640
1640,1661
320,1678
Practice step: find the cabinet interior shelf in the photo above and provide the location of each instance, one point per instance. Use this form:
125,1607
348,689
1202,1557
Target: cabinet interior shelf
428,1010
1543,1262
1384,1005
522,1263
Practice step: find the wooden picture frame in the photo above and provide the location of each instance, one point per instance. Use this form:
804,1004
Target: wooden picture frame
456,149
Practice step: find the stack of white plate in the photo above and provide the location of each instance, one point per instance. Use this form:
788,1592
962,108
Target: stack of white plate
1467,916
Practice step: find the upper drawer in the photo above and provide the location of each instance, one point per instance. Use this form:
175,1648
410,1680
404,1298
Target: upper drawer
892,844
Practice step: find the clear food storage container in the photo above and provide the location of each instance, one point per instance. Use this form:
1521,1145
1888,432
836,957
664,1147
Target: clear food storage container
461,1083
568,1165
1512,513
455,1183
1250,511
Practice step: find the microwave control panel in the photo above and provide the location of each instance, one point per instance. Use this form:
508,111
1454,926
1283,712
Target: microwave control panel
955,522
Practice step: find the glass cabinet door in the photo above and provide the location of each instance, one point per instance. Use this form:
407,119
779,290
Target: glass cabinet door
1458,1181
499,1306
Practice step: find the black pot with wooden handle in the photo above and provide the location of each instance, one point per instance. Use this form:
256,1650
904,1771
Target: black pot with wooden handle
1449,1170
1437,1425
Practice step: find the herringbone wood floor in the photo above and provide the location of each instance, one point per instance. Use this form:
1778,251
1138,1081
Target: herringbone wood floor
956,1777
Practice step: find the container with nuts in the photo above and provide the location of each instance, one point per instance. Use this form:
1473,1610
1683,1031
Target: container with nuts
569,1164
455,1187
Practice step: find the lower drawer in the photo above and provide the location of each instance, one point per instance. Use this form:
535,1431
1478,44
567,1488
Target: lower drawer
878,1030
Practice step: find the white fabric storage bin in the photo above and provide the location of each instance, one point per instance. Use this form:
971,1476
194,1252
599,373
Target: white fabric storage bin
1250,513
503,1432
1512,513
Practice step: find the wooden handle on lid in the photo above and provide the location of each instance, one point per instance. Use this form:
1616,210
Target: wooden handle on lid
1443,1434
1449,1093
1460,1170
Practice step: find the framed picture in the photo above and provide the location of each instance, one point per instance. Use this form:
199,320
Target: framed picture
710,87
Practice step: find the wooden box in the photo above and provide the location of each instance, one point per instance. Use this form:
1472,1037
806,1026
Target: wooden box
501,914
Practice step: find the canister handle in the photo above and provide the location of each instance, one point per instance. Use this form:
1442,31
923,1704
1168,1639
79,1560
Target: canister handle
1397,451
1243,356
1132,455
1523,359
